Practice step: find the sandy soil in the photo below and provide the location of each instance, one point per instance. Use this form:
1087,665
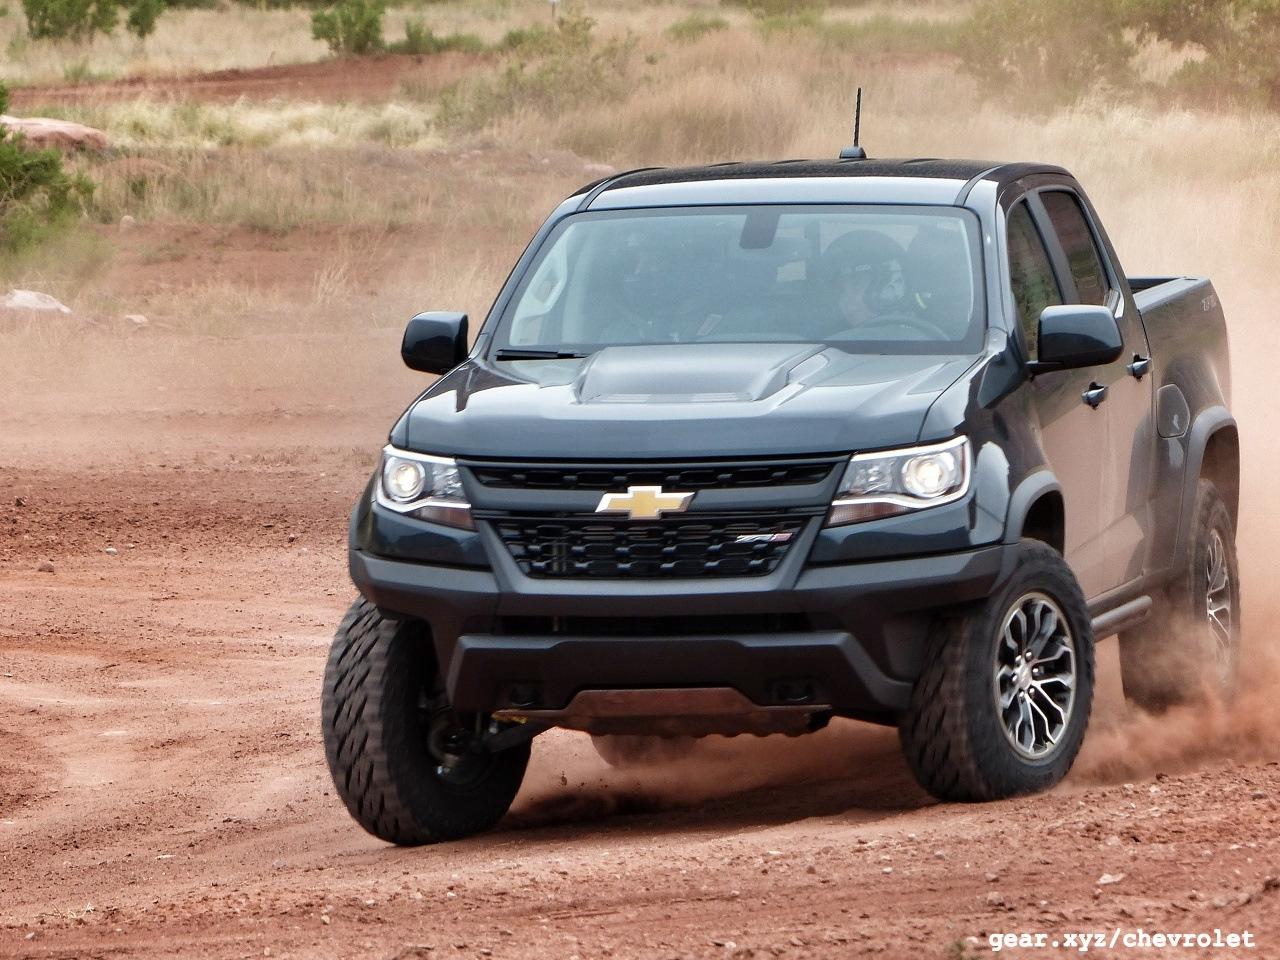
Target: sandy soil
163,789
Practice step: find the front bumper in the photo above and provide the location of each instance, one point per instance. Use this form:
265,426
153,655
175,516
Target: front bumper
849,636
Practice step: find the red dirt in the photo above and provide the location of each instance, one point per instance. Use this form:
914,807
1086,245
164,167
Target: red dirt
163,789
359,78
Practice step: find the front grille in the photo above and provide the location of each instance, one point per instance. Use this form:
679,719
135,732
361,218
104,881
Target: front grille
701,476
708,545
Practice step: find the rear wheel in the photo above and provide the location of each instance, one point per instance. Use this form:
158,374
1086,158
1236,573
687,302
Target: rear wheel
410,769
1189,649
1002,705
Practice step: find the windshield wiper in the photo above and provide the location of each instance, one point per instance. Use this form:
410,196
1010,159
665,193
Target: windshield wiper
508,353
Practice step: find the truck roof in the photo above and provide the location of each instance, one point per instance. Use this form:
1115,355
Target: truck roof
925,180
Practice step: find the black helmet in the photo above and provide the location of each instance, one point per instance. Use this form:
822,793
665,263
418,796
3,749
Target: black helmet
872,251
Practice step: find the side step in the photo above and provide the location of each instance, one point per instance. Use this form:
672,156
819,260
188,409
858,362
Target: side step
1123,616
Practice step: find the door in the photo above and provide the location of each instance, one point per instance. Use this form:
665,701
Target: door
1128,470
1074,434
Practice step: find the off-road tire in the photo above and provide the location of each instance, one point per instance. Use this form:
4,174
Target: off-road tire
1171,657
376,739
630,750
952,734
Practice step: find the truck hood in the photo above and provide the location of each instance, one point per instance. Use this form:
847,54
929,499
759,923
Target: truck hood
679,402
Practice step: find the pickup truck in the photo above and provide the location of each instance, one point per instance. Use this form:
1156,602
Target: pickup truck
745,447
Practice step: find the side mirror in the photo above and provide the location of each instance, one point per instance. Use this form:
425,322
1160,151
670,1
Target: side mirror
1077,335
435,342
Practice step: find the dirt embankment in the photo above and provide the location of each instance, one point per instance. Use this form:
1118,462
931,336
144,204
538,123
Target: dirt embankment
354,78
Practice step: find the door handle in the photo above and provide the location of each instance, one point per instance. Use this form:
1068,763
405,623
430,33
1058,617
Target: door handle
1140,367
1095,394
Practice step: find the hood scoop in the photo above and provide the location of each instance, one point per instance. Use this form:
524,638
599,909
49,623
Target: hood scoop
692,373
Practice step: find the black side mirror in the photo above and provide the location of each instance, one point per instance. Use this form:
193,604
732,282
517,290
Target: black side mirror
435,342
1077,335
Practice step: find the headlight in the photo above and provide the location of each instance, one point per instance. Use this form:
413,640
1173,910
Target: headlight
423,486
899,481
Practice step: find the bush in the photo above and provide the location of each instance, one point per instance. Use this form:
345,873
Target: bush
1038,53
695,26
36,194
778,8
350,26
142,18
550,70
80,19
69,19
1238,38
418,39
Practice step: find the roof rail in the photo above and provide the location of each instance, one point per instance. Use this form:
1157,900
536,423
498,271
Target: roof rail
594,190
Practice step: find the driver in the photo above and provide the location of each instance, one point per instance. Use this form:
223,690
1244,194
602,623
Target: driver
863,270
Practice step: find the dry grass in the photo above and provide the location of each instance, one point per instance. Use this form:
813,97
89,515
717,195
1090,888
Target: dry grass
385,212
184,40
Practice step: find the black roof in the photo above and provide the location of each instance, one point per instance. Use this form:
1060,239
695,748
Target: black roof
924,167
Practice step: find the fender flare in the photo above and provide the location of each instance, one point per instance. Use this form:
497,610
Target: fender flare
1031,489
1207,424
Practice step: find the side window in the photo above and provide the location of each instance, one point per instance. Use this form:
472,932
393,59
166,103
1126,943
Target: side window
1077,241
1030,274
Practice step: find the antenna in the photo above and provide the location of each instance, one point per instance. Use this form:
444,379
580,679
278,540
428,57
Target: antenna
855,152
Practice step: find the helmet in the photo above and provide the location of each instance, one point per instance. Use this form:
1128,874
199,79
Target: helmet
880,256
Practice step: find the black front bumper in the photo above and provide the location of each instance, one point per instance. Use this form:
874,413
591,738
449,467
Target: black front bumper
855,633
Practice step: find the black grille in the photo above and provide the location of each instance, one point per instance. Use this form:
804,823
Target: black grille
732,545
701,476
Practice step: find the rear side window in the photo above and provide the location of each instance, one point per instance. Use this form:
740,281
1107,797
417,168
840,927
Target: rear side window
1030,274
1077,241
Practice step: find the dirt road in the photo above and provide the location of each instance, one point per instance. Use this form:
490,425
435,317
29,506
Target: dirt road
163,789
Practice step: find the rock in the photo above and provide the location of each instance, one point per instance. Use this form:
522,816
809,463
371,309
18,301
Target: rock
1258,795
19,501
995,899
1109,878
939,855
46,132
45,567
31,300
127,223
137,319
992,877
111,551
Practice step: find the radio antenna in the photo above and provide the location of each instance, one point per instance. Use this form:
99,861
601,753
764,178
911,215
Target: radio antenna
855,152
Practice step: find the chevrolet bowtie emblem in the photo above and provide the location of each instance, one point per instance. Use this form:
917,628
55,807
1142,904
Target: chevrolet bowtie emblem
644,503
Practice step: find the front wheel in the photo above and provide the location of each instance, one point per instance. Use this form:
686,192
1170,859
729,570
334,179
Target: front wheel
410,770
1003,702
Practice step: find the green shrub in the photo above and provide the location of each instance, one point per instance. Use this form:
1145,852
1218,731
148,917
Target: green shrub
1239,40
69,19
36,194
549,70
778,8
885,35
351,26
1038,53
142,18
77,20
419,39
695,26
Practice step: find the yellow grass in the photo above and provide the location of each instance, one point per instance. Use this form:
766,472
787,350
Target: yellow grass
434,217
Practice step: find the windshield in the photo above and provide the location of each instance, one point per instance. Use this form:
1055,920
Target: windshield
865,279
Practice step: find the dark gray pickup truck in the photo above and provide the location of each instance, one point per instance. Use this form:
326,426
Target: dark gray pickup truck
742,448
